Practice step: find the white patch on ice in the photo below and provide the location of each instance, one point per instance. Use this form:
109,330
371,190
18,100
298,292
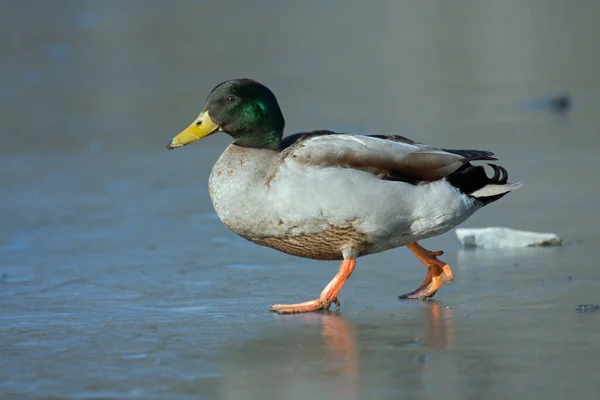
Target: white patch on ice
502,238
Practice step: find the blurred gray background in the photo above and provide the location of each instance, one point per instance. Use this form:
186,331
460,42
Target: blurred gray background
118,281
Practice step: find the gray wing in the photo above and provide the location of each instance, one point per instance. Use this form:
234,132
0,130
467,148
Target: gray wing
387,157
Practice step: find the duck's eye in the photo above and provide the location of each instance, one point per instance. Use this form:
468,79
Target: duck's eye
231,99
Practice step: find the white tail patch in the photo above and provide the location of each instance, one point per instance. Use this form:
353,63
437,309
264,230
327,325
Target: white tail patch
494,190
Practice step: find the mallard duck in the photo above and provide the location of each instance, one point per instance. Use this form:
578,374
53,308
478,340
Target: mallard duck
336,196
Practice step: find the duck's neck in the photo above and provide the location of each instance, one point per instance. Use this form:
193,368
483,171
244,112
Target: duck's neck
264,140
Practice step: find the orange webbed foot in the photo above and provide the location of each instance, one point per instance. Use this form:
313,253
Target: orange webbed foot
328,296
307,306
438,273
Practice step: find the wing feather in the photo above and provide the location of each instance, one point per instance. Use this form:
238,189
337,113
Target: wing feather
387,157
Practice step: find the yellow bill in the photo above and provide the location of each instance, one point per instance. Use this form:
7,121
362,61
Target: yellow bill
201,127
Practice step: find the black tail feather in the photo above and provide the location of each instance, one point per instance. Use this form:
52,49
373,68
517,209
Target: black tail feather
470,178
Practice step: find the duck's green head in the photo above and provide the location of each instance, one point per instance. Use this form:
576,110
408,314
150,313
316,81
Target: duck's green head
243,108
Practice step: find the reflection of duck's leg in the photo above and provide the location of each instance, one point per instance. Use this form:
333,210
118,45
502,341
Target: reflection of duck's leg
341,350
438,273
440,326
328,295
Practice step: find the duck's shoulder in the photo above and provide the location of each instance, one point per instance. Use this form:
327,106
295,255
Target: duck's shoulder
296,141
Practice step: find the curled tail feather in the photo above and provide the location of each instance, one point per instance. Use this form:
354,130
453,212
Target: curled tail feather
473,181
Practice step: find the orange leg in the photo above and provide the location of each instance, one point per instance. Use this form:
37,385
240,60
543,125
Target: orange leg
328,295
438,273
